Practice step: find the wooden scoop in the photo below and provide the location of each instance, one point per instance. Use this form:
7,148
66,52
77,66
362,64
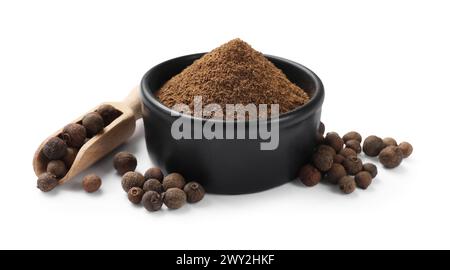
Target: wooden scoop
101,144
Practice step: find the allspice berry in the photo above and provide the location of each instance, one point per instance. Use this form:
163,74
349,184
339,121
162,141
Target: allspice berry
124,162
406,149
338,158
70,156
334,140
74,135
194,192
152,201
108,113
352,135
354,144
348,152
373,145
57,168
54,148
391,156
388,141
363,179
323,148
347,184
91,183
309,175
352,165
132,179
154,173
153,185
135,195
46,182
319,138
322,161
370,168
173,180
336,172
93,122
174,198
321,128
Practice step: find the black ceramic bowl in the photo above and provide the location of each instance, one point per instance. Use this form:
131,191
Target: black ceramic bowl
239,165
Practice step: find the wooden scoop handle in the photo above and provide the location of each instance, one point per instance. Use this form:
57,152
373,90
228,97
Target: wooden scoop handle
133,101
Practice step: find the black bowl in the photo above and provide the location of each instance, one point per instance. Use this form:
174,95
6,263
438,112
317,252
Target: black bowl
233,166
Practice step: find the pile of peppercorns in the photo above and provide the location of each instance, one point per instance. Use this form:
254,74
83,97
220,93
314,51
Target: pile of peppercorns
336,161
60,152
152,188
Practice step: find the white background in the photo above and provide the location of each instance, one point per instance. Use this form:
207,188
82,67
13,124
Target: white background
385,67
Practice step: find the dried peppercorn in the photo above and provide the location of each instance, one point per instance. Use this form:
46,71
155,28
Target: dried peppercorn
70,156
373,145
135,195
93,122
334,140
57,168
406,149
348,152
371,168
153,184
352,165
319,138
173,180
132,179
391,156
152,201
347,184
309,175
54,148
354,144
108,113
46,182
338,158
388,141
91,183
74,135
124,162
154,173
352,135
174,198
336,172
322,161
363,179
323,148
321,128
194,192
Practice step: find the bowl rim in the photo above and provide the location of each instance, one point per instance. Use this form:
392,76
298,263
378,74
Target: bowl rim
299,113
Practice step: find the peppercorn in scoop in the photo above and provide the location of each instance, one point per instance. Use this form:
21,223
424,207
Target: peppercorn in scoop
61,151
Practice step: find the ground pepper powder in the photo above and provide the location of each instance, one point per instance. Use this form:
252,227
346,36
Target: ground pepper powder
233,73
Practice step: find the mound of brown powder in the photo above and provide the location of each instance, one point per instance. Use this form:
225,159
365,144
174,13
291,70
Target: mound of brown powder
233,73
